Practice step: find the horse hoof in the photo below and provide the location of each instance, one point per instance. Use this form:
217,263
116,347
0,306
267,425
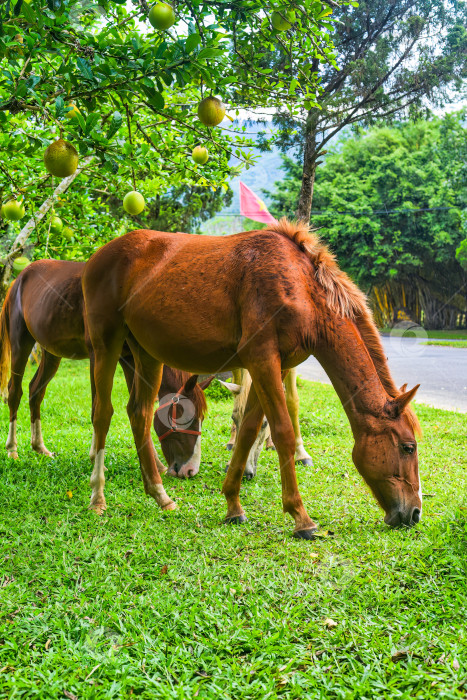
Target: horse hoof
170,506
98,508
308,462
235,519
271,447
249,476
307,534
13,455
229,446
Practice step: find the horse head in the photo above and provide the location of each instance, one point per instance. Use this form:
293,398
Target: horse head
385,454
178,422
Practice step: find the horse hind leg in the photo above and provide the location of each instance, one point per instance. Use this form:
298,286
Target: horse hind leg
47,369
146,383
127,363
22,343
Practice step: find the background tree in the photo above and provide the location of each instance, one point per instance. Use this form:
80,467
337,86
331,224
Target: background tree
392,60
127,95
391,203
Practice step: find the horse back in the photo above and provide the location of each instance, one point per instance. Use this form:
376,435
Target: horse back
49,297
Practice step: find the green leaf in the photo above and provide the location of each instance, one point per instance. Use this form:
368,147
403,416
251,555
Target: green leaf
84,68
59,106
210,53
115,124
17,8
157,101
192,42
91,122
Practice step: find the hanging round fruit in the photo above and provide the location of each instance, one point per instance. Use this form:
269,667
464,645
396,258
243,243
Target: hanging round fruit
56,224
211,111
18,265
282,20
61,158
200,155
133,203
13,210
161,16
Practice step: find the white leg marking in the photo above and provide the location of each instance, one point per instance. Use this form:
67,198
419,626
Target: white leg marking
92,450
300,452
157,491
37,441
11,443
97,483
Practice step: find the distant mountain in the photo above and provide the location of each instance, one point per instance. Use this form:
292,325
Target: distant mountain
262,175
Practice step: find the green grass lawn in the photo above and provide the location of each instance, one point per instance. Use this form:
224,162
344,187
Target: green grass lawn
143,604
453,344
449,335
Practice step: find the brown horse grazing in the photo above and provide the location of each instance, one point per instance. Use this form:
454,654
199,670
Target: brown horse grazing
262,300
45,304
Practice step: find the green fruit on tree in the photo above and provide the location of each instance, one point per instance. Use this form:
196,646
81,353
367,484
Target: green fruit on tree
283,20
133,203
67,233
61,158
161,15
211,111
200,154
56,224
18,265
13,210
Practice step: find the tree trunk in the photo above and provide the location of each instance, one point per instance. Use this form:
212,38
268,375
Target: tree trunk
305,199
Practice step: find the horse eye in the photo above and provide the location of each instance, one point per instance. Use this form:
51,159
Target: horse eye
408,449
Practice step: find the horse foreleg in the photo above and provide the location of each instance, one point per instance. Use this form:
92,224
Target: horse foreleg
293,403
247,434
47,369
146,383
267,380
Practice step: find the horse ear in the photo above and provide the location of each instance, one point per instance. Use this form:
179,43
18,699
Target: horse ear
403,400
233,388
403,388
190,384
206,382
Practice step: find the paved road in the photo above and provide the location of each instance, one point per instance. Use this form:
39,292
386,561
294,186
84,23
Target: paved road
441,371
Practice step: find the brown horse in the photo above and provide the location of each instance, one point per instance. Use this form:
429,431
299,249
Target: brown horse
262,300
45,305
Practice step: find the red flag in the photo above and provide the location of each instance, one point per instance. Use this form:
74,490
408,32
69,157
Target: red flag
253,207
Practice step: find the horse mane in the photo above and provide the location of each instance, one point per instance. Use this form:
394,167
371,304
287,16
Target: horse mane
345,299
199,400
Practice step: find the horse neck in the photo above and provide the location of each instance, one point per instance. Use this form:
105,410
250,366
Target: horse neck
347,362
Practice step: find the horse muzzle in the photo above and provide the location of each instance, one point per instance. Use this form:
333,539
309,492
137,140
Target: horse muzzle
398,518
184,471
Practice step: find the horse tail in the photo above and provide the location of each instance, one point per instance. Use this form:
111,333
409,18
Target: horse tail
5,345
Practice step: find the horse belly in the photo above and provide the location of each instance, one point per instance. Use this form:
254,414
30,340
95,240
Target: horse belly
183,347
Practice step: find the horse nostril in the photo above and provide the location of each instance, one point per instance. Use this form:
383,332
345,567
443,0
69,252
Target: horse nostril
190,473
416,515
